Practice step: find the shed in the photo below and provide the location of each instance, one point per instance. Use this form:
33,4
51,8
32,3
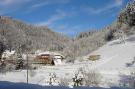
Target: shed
93,57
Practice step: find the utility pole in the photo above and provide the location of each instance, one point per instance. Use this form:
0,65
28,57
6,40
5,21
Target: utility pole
74,49
27,70
27,59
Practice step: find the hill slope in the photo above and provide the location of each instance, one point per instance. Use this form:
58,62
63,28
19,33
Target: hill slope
28,36
92,40
116,55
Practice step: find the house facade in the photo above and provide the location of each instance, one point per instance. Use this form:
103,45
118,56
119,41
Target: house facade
51,58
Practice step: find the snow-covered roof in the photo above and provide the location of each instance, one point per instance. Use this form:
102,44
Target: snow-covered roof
51,53
8,53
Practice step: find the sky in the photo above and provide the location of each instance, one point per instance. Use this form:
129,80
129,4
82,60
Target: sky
69,17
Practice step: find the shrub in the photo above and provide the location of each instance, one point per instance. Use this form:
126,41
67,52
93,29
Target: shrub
127,80
88,77
132,82
92,78
6,68
64,82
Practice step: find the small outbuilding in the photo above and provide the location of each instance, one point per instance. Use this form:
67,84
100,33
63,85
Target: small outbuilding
93,57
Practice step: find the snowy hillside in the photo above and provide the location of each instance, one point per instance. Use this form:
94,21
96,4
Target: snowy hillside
116,59
116,55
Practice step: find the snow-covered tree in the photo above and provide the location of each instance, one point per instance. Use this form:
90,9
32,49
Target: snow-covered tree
87,77
120,35
2,45
19,61
52,79
78,78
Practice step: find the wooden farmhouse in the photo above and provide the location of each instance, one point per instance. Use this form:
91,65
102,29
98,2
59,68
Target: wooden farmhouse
49,58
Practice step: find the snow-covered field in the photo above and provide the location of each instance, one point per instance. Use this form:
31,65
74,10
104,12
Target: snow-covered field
113,62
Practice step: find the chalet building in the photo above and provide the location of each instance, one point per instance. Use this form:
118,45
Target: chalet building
49,58
44,59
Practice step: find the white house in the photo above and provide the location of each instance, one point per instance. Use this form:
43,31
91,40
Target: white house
7,54
58,58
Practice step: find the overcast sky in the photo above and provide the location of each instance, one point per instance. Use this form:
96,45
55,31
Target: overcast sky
67,16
